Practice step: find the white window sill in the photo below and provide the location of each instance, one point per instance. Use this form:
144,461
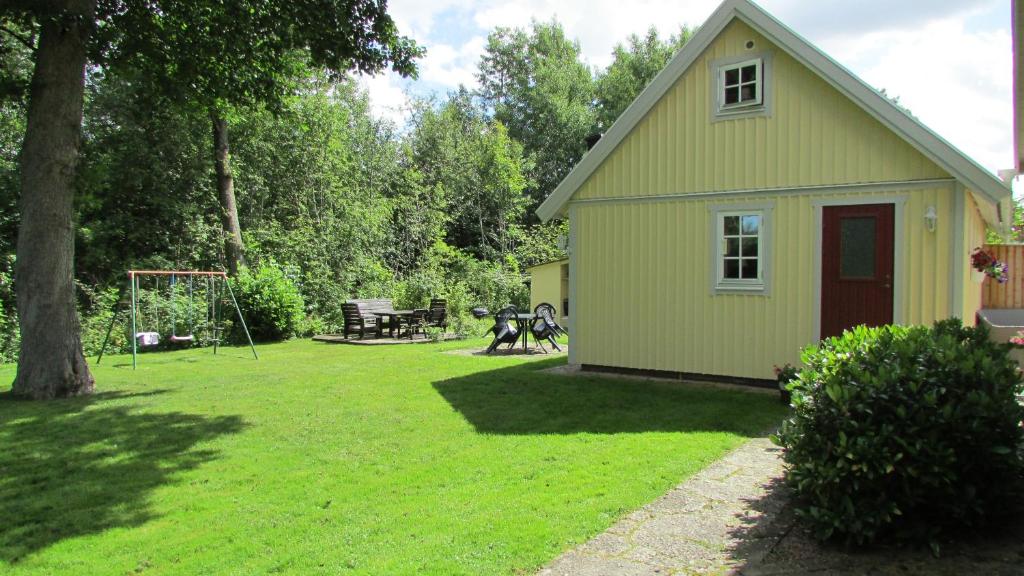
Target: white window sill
739,289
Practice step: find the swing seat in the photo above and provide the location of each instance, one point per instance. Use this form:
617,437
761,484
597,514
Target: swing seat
183,339
147,339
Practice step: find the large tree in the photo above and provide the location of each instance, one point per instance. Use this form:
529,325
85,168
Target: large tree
633,67
539,88
478,169
229,52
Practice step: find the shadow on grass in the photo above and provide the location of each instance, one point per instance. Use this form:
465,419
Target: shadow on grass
524,400
74,467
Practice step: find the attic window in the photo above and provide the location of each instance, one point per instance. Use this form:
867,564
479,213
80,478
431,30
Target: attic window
740,85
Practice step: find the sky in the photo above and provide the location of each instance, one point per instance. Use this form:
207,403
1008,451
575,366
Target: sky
949,61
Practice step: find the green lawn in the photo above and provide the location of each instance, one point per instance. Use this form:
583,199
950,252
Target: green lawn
324,458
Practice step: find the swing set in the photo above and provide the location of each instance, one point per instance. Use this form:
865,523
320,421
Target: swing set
211,285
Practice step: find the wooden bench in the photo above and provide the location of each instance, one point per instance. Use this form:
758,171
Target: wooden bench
359,315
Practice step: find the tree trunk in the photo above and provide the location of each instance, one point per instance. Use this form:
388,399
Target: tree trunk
51,363
233,248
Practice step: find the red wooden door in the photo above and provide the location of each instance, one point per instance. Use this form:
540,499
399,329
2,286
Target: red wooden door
856,267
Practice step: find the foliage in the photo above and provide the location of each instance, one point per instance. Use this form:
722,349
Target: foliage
318,187
188,464
247,52
475,169
1016,233
904,433
541,243
145,192
632,68
345,202
543,93
271,303
9,336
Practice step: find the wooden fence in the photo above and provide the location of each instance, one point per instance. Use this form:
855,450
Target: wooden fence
1010,294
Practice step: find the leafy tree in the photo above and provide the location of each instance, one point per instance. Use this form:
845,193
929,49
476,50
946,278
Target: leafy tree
538,87
321,182
144,195
632,68
479,169
219,53
195,54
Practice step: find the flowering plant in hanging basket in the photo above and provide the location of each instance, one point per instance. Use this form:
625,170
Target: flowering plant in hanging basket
984,261
1018,339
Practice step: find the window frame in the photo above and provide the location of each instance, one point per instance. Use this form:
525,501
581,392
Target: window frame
719,283
716,87
758,83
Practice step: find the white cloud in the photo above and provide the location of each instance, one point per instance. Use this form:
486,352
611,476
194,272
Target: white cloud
451,66
388,99
842,17
416,18
956,80
598,24
958,83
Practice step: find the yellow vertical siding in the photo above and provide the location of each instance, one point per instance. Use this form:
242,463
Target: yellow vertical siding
974,236
813,136
546,286
644,270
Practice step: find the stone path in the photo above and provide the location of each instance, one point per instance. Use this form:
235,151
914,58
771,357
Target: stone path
709,524
734,518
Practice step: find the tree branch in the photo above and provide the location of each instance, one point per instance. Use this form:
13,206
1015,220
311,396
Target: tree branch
26,41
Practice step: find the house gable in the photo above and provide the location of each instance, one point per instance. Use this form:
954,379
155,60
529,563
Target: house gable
811,136
670,157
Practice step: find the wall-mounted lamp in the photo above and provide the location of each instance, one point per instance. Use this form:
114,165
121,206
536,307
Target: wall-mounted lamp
930,218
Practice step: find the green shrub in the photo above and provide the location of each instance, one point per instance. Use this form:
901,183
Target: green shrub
271,303
95,321
907,433
10,336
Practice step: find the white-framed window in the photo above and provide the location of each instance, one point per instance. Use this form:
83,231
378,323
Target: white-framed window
740,84
740,251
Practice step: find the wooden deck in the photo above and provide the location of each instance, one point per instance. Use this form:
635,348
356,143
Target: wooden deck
370,341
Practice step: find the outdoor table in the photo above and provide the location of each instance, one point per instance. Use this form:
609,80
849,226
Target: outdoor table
393,316
523,321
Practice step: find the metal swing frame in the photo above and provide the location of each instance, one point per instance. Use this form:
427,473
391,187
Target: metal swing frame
133,277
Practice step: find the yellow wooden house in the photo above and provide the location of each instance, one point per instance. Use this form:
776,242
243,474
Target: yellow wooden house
549,283
757,197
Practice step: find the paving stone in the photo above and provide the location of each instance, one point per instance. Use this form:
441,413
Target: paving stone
606,544
735,518
572,564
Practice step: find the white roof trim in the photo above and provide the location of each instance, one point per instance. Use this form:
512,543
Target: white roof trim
944,154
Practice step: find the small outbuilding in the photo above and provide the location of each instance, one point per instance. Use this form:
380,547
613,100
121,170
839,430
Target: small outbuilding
757,197
549,282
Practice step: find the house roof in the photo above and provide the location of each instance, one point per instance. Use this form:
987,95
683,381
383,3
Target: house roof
1018,85
934,147
547,262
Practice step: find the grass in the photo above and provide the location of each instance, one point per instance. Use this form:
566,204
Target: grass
326,459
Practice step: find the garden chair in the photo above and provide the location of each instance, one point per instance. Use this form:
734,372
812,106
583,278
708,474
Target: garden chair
544,326
355,320
416,322
437,315
504,331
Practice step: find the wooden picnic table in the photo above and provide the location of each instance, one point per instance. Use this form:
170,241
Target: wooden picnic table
394,317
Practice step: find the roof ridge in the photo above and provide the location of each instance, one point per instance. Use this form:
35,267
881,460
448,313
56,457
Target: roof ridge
904,125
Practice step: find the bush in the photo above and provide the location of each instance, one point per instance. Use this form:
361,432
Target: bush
904,432
271,304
